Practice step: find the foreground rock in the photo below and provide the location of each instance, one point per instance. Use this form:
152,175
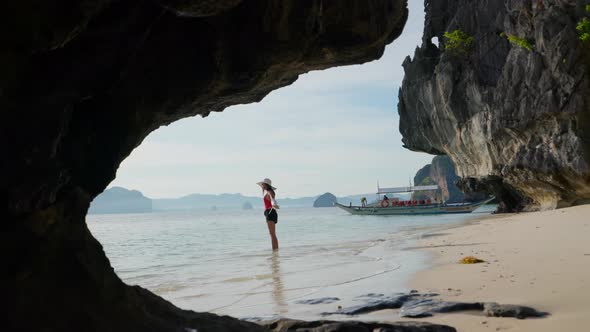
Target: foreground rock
288,325
509,310
83,83
415,305
428,307
321,300
514,121
375,302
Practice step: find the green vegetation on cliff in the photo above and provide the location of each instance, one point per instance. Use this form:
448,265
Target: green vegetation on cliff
583,27
458,42
518,41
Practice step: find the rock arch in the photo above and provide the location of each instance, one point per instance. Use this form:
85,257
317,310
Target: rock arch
83,84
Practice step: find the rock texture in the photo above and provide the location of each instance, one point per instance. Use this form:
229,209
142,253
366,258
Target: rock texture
321,300
417,305
514,122
325,200
290,325
84,82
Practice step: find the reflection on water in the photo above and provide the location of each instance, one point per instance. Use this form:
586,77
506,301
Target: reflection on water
278,295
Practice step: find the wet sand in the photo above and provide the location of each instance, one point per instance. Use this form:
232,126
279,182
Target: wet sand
539,259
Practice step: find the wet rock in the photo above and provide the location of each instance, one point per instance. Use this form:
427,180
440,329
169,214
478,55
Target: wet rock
427,307
415,305
514,122
321,300
290,325
510,310
375,302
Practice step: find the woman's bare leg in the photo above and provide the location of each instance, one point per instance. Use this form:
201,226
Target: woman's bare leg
273,235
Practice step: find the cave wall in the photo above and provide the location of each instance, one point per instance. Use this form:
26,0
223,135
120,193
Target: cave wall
513,121
84,82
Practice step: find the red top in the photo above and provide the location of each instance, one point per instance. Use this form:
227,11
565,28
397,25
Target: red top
267,202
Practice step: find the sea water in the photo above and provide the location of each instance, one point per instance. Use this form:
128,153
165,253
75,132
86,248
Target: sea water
221,261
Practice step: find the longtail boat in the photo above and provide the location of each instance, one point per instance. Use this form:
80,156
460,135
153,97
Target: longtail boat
395,206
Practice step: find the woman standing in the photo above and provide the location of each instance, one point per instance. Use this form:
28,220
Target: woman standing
270,210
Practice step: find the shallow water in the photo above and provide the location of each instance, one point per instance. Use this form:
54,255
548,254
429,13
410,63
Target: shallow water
221,261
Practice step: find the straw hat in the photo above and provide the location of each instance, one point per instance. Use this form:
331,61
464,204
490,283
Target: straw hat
267,181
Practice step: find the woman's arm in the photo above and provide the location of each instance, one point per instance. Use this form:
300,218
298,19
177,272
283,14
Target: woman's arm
273,202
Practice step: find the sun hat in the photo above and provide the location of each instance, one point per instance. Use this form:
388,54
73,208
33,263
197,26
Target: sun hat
267,181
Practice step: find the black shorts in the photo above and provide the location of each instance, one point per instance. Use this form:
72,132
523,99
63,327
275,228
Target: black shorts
271,215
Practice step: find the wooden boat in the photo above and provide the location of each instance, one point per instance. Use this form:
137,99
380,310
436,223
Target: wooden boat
396,207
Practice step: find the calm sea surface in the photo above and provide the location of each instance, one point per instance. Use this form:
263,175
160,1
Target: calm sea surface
221,261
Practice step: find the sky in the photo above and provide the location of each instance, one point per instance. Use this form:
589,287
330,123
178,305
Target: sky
331,131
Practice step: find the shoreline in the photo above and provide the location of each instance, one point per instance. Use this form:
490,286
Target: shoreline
536,259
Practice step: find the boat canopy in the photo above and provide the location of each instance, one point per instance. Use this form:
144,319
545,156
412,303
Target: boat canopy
405,189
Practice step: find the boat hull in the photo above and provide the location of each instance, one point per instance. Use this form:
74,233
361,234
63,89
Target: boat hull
414,210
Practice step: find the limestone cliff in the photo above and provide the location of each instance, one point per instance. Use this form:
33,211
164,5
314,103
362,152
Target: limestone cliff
513,110
84,82
442,173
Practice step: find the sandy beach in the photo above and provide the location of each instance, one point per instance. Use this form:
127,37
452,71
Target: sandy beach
539,259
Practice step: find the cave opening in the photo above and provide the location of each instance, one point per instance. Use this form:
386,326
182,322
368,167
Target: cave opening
330,131
434,41
86,82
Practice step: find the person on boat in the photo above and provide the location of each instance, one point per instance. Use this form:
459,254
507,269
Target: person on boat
363,201
270,210
385,198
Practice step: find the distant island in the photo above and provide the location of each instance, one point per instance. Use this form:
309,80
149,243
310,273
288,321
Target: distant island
120,200
224,201
325,200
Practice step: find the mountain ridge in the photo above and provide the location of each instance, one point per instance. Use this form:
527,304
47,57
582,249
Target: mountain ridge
195,201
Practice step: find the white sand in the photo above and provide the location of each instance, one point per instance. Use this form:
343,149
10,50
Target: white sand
539,259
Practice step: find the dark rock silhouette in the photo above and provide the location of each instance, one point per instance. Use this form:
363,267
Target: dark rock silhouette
428,307
321,300
83,83
120,200
325,200
416,305
509,310
514,122
291,325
